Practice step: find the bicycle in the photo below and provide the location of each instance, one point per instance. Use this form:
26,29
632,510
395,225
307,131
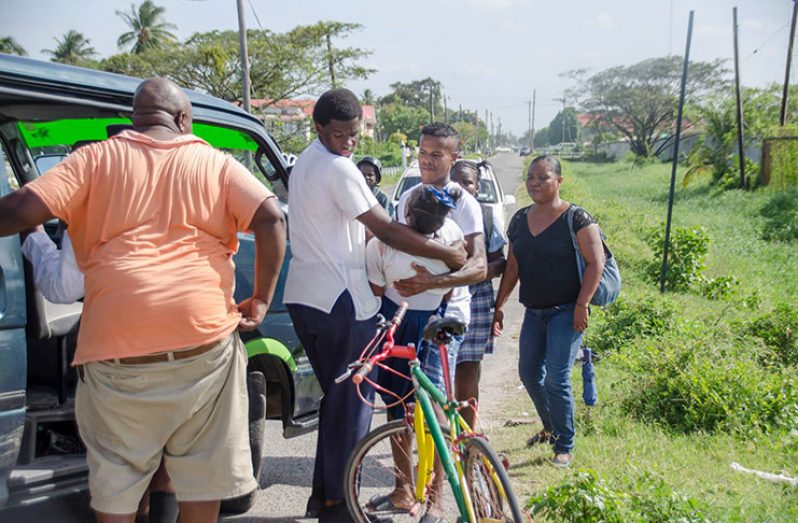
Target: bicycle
402,452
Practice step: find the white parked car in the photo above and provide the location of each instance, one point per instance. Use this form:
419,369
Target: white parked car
490,194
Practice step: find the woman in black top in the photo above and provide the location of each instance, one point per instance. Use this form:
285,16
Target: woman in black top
541,255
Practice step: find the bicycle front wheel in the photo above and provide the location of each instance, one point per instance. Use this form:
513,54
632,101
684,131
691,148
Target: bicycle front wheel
385,462
488,484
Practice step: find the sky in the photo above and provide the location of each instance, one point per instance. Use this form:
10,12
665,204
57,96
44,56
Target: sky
488,54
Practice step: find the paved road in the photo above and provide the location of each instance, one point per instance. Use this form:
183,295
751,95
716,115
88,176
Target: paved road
288,465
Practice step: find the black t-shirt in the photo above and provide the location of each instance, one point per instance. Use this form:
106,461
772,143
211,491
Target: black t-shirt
547,262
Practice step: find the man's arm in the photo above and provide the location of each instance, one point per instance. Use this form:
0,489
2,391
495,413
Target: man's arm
268,225
55,272
22,210
496,264
405,239
474,271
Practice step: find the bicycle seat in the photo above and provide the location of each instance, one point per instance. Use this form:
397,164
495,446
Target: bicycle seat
440,329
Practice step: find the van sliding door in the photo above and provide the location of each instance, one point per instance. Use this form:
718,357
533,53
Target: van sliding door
13,354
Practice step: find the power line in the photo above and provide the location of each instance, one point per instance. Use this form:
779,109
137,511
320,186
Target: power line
774,35
255,13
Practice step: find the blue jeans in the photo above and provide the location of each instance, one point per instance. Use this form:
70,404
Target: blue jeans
548,348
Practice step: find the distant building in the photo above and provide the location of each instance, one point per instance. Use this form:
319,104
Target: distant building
297,115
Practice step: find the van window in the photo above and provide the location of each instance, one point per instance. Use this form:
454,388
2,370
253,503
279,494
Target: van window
47,140
13,184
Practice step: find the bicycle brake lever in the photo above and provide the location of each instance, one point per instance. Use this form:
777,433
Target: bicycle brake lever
345,376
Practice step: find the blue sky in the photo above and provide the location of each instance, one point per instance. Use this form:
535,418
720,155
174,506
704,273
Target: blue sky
489,54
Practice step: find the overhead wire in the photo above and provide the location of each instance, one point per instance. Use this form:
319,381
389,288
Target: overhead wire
257,19
766,42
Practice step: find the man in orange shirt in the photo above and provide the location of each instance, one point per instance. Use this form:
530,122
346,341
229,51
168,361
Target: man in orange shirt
153,214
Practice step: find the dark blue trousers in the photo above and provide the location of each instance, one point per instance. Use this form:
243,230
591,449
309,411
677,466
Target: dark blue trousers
332,341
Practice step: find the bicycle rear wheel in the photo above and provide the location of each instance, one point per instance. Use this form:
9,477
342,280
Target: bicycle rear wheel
372,474
488,484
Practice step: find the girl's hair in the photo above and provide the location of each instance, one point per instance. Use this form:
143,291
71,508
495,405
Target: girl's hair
553,161
429,206
471,165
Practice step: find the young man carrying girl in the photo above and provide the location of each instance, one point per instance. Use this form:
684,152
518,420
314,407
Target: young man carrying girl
327,291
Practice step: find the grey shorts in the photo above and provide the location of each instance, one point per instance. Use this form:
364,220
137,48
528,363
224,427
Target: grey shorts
192,412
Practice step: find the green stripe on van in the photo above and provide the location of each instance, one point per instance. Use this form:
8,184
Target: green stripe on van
271,347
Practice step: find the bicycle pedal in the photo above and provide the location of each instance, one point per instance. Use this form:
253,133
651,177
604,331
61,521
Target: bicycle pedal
505,462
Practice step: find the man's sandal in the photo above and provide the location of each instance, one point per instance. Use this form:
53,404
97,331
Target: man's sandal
539,438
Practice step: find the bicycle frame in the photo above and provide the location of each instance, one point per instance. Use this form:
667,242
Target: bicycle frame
426,392
425,418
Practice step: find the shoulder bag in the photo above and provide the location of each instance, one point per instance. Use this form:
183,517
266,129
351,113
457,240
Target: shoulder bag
610,285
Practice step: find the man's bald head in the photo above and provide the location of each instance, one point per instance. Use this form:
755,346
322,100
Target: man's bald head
159,102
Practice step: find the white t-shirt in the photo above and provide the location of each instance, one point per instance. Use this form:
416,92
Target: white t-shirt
326,192
55,272
386,265
468,216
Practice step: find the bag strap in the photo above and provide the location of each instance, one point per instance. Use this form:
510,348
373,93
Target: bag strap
569,217
487,224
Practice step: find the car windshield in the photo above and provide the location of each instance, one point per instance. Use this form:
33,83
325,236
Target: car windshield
406,183
50,142
487,191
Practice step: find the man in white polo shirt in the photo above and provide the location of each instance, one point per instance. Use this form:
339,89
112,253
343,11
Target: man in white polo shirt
327,291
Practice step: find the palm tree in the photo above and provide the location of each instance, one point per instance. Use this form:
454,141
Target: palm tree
148,29
10,46
71,49
368,97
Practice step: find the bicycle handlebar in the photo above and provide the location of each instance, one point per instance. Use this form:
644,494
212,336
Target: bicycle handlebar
400,314
367,367
389,350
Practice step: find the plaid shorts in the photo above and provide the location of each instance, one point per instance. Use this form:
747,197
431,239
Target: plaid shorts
478,338
430,358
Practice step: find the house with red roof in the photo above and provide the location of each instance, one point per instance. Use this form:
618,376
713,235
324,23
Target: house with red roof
297,115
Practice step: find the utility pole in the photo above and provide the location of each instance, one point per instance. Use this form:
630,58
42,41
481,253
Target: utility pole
682,92
460,114
740,147
532,138
491,129
499,128
487,142
529,123
562,117
330,62
242,36
431,105
476,130
446,109
783,114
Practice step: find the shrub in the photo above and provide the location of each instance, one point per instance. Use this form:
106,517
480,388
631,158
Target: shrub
722,287
778,330
586,497
686,254
629,319
690,384
781,217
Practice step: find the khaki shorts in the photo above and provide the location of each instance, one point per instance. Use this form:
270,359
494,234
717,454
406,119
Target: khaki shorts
192,412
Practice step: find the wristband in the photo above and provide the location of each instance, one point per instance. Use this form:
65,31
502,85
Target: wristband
586,307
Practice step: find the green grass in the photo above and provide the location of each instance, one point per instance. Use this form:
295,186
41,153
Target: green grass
628,202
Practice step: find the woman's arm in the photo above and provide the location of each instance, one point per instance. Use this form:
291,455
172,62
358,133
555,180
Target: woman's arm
592,251
508,283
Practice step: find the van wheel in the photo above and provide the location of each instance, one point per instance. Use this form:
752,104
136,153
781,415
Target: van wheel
256,388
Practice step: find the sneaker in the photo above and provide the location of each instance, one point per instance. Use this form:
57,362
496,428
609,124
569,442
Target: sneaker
562,459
